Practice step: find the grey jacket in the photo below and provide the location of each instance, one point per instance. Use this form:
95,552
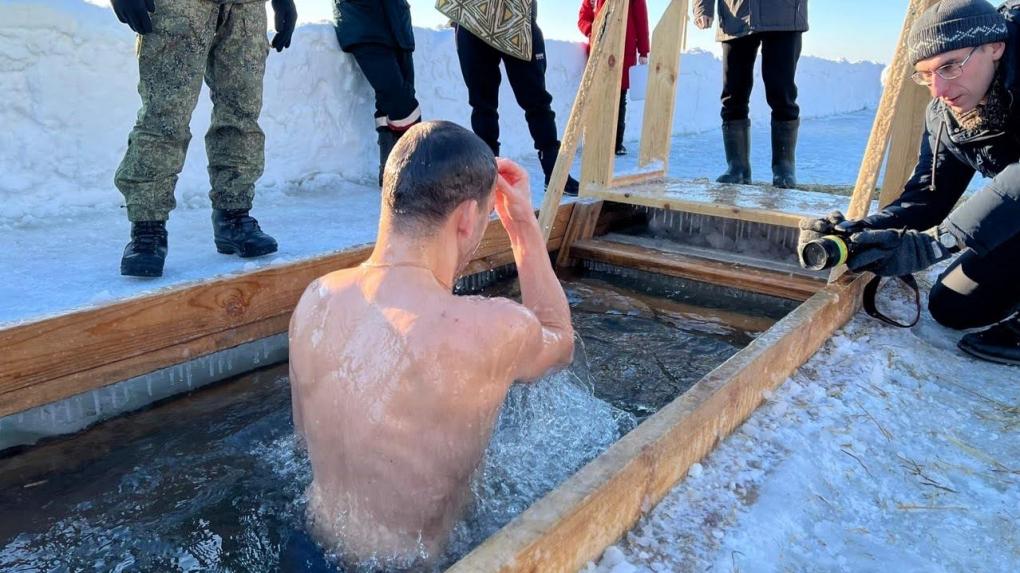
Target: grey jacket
739,18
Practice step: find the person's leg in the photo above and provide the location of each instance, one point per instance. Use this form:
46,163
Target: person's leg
527,79
171,60
780,53
738,79
390,72
479,64
979,291
621,123
235,143
386,70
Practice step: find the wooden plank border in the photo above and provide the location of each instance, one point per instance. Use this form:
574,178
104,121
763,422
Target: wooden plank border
593,508
58,357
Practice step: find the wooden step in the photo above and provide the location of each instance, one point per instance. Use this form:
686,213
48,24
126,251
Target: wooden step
741,276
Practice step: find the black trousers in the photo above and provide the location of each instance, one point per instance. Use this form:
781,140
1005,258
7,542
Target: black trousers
479,64
780,52
978,291
390,72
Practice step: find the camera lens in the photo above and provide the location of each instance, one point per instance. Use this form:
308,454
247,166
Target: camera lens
824,253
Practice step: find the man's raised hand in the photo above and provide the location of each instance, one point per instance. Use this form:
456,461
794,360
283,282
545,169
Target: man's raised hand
513,193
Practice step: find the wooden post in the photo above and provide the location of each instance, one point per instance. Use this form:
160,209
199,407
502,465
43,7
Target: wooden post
668,41
598,156
888,107
907,129
596,68
581,226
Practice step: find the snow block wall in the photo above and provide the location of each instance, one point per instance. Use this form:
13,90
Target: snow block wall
69,77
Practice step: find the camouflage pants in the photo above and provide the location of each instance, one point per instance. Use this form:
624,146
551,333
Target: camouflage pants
226,44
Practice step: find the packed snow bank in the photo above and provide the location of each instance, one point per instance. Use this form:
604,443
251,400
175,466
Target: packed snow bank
889,450
69,77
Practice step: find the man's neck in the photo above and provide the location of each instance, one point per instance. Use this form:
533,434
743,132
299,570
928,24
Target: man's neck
396,250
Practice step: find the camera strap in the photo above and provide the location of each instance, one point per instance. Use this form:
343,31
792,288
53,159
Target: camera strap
871,291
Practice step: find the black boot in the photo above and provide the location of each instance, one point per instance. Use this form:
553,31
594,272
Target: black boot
236,232
736,135
784,151
621,125
145,254
1000,343
547,157
387,139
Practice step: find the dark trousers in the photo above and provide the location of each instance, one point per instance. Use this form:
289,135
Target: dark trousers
988,293
479,64
780,52
390,72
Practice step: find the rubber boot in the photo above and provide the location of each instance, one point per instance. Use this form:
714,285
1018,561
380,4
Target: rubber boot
784,151
145,254
547,157
236,232
387,139
1000,343
737,142
621,125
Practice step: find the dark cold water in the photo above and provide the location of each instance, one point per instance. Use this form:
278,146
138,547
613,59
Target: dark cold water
214,481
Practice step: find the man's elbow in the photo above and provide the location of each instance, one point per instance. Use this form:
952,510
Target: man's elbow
566,348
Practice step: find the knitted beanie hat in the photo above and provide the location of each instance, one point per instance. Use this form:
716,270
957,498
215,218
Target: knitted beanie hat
952,25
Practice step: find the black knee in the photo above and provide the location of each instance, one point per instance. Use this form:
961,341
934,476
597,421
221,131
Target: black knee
954,310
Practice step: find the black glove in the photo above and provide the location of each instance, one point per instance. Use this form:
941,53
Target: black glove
285,19
135,13
832,224
894,252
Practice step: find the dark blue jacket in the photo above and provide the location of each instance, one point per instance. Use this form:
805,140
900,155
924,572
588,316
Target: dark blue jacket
386,22
992,215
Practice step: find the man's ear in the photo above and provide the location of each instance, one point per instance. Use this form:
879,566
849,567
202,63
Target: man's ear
466,217
998,49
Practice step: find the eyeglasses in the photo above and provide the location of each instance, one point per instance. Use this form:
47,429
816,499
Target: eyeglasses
947,72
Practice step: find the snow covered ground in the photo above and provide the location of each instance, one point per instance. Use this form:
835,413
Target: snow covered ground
889,450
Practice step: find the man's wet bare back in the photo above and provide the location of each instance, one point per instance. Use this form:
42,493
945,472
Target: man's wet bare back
395,381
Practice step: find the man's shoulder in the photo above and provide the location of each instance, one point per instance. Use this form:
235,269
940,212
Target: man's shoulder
499,312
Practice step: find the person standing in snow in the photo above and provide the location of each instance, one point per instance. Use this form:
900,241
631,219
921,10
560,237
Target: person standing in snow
378,34
181,42
968,55
776,27
635,51
479,63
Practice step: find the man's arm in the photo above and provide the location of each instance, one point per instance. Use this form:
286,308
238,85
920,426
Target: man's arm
992,216
920,207
550,343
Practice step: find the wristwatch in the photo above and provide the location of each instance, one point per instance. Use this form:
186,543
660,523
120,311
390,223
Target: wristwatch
945,239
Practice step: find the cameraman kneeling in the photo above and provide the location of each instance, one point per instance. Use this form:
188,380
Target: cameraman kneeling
968,54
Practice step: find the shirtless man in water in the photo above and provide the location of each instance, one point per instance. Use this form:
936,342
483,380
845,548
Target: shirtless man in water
395,381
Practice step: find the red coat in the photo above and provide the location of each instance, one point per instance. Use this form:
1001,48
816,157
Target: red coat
636,42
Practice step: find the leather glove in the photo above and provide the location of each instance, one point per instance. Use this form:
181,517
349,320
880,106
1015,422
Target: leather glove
135,13
832,224
285,20
894,252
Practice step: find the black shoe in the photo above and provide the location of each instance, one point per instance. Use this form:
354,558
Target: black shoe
737,142
621,149
1000,343
145,254
547,157
236,232
784,149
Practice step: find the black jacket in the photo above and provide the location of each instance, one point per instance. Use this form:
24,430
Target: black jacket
386,22
738,18
992,215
